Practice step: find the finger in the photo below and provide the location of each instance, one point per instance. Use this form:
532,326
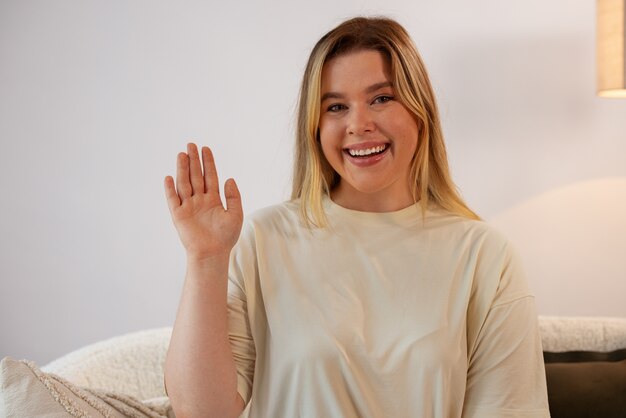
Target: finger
173,201
233,197
211,183
183,186
195,169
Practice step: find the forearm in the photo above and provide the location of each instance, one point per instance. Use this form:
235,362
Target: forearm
199,368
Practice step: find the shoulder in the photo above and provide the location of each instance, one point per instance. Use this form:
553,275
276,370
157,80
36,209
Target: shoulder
499,276
274,212
476,235
497,268
256,227
266,229
275,216
282,217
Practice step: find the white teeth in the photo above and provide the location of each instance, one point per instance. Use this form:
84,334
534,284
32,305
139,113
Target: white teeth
368,151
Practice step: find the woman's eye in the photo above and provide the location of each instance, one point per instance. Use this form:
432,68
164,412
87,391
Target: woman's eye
383,99
336,107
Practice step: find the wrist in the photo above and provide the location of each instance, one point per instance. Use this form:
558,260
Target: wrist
208,260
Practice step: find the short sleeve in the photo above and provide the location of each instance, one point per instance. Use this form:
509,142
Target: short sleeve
506,375
241,268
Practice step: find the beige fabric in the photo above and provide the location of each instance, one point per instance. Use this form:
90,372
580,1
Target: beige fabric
26,391
382,315
582,333
131,364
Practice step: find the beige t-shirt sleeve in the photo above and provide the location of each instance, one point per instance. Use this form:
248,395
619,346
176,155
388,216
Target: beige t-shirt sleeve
242,269
506,375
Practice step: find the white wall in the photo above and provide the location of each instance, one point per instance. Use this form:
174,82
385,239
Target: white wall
96,99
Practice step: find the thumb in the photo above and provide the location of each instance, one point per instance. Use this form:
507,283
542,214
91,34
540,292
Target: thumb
233,198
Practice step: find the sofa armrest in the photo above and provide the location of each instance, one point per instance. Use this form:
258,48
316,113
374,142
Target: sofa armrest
559,334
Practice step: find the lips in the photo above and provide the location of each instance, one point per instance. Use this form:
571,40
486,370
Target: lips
367,160
365,145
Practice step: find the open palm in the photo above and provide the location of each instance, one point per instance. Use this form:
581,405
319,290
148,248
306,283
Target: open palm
204,226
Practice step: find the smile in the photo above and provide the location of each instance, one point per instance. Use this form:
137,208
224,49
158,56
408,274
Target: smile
368,151
367,156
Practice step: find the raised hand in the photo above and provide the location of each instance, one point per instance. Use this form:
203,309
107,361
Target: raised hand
205,228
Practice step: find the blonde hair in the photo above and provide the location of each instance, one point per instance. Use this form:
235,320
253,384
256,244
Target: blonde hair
313,177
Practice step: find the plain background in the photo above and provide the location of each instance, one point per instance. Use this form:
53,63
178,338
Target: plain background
98,97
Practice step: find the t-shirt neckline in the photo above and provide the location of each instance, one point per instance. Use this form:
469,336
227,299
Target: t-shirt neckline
405,216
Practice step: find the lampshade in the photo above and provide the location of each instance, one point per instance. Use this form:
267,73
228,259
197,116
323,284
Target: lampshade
611,45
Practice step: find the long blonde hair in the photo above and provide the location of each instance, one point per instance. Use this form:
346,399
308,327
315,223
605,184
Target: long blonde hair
313,177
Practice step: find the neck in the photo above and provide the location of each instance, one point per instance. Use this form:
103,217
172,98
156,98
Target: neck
370,202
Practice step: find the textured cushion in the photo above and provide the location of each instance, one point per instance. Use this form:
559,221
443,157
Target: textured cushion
131,364
28,392
586,384
559,334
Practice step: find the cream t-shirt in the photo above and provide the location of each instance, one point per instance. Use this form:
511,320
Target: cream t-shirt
382,315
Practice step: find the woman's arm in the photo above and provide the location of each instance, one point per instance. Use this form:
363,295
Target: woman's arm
200,370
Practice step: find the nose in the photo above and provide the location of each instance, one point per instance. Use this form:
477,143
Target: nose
360,121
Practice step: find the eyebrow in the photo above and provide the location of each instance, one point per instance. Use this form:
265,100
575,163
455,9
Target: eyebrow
370,89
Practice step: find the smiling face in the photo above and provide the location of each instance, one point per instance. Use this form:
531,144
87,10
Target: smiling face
367,135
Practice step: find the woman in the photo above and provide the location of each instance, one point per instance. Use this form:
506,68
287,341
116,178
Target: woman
375,291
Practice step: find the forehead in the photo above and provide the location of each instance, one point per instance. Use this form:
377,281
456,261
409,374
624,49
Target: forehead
354,70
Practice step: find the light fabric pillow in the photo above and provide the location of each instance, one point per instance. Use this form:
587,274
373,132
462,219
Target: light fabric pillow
131,364
26,391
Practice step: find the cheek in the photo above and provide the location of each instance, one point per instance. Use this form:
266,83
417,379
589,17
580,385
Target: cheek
331,128
330,141
329,150
407,130
323,142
